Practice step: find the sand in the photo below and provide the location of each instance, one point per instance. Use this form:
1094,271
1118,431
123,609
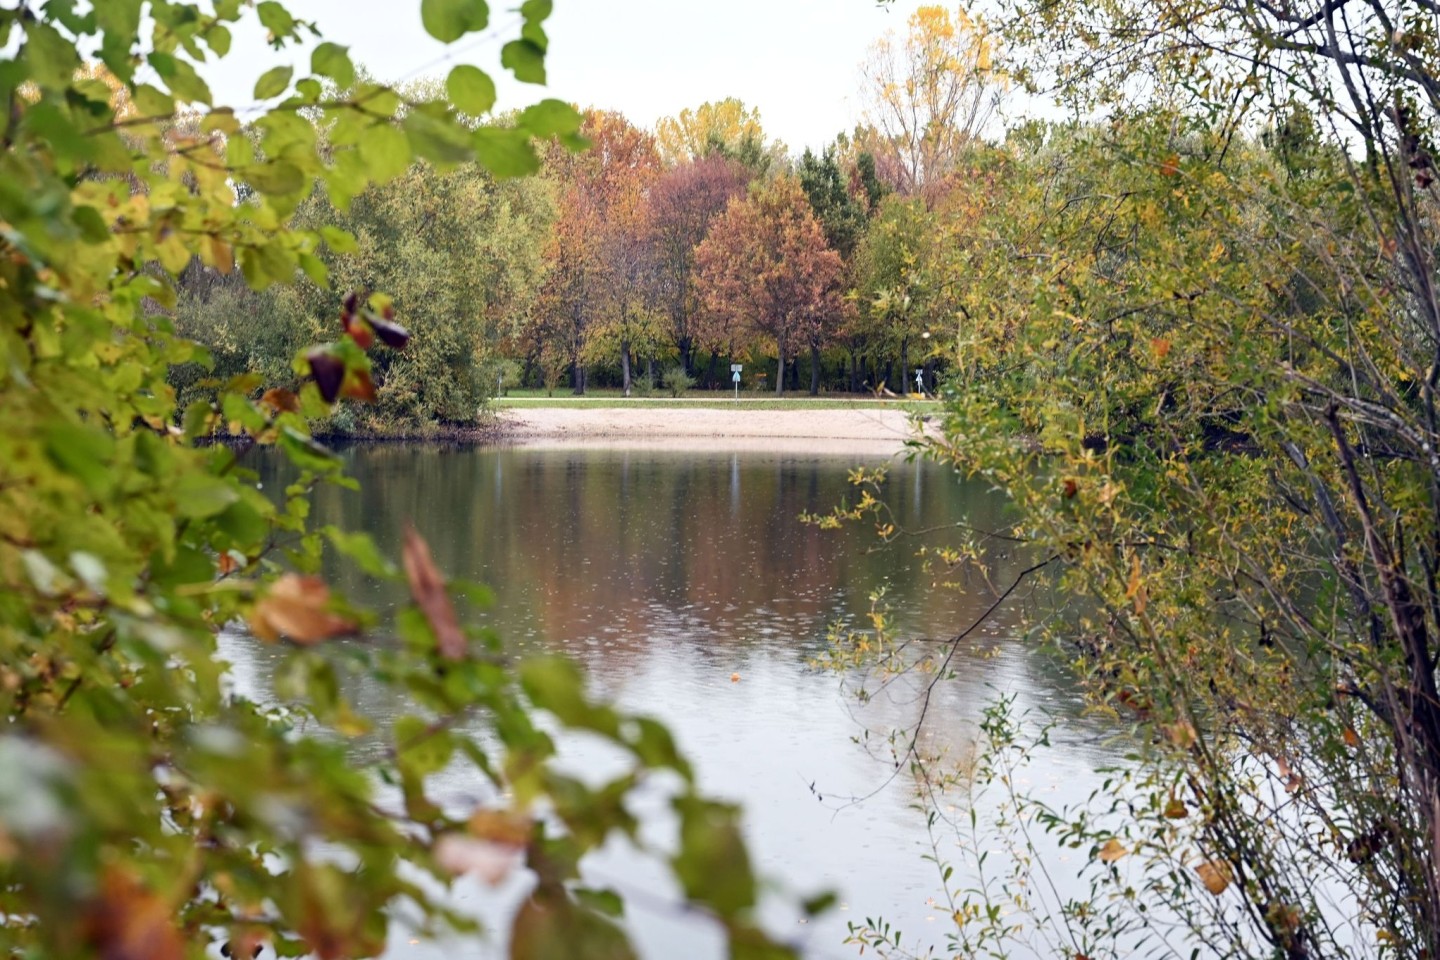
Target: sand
880,432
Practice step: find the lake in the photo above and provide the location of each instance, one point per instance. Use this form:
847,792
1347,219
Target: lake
686,586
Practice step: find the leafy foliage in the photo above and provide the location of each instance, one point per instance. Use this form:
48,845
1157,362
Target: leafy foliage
148,810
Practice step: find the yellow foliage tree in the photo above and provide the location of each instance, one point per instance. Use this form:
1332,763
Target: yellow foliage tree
929,94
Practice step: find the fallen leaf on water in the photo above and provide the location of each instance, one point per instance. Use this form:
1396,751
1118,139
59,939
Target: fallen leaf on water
427,588
298,608
734,678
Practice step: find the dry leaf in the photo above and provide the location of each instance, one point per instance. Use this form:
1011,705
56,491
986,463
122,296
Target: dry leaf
1352,739
280,399
1112,851
1181,734
1176,809
427,588
1215,874
734,678
127,921
500,826
492,862
298,608
1161,346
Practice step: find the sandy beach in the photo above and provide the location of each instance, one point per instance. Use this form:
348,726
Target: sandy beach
880,432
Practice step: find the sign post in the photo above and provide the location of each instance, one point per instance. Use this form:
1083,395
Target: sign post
735,369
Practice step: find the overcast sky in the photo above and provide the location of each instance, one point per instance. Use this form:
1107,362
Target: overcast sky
795,60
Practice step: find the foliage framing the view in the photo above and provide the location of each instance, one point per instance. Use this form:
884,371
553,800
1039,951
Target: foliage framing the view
147,810
1201,353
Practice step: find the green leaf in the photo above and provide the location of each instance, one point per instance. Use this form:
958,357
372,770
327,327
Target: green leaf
505,152
361,549
525,59
273,82
471,90
439,141
333,61
550,118
386,151
277,177
199,495
82,451
421,750
712,862
449,20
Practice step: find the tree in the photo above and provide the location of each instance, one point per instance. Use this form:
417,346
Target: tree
148,809
1227,355
683,203
930,95
841,213
765,268
895,280
726,127
601,202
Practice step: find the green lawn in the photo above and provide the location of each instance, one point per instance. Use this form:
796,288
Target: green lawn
750,400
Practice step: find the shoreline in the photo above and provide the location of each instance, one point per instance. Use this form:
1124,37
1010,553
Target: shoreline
881,433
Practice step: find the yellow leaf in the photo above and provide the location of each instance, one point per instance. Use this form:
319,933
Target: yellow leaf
1216,875
1112,851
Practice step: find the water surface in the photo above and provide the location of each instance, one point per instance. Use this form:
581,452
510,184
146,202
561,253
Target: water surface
668,574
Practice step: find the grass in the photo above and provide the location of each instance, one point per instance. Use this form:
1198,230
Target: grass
713,400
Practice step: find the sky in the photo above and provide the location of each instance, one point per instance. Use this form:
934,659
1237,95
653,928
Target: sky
797,61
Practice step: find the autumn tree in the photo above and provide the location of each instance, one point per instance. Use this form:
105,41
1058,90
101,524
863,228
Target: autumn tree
683,202
930,93
726,127
766,270
596,241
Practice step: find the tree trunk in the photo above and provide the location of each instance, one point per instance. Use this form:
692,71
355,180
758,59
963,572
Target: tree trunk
814,370
904,366
687,355
780,371
625,365
710,375
579,379
854,373
650,371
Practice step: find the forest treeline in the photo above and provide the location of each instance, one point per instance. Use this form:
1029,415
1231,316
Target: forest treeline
657,258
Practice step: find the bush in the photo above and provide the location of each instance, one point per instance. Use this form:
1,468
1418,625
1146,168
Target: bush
678,380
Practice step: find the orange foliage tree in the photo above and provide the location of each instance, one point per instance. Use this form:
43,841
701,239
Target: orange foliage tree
767,273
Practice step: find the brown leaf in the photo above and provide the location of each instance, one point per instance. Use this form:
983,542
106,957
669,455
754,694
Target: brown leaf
298,608
1216,875
1352,739
427,588
1161,347
128,921
1112,851
359,386
1176,809
1170,165
492,862
359,331
280,399
1071,488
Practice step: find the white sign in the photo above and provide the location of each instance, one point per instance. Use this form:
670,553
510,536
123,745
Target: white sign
736,367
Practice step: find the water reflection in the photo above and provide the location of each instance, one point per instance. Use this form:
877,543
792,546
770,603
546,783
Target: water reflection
665,574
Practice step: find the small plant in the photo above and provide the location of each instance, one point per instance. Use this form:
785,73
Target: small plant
678,380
